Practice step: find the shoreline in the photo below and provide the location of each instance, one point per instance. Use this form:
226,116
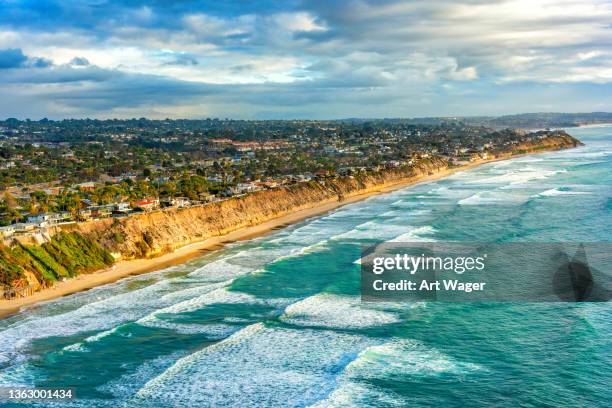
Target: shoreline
593,125
126,268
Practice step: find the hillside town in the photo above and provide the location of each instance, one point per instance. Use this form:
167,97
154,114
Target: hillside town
57,172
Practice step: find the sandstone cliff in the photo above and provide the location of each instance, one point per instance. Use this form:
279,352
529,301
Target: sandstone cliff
156,233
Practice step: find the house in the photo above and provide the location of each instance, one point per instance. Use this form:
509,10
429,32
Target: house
265,184
345,171
52,190
88,186
7,231
121,207
44,218
130,176
180,202
147,204
177,202
101,211
391,164
207,197
229,191
37,218
246,187
306,176
106,178
84,214
24,227
64,216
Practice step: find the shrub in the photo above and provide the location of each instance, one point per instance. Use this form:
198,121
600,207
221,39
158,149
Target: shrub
66,255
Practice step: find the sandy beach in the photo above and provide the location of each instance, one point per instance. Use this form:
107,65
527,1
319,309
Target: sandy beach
138,266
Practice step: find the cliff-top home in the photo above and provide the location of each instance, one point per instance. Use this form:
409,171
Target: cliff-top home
147,204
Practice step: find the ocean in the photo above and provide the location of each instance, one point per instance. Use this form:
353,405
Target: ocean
278,321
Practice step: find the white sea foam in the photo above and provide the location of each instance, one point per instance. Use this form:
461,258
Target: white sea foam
257,366
308,234
483,197
163,318
405,214
417,234
294,253
595,154
354,394
523,160
407,203
212,331
220,270
554,192
405,357
220,295
22,376
372,230
106,313
81,346
327,310
76,347
189,299
353,211
103,314
104,309
517,177
289,246
390,214
445,192
394,360
127,385
190,292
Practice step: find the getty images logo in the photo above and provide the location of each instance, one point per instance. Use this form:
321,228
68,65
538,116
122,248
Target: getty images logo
574,280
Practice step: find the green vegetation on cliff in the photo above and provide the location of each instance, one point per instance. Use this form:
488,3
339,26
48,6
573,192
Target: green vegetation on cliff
65,255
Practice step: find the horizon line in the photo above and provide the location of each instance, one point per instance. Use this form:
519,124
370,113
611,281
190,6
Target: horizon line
312,119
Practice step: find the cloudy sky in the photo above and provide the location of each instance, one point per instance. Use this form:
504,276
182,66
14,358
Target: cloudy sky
303,59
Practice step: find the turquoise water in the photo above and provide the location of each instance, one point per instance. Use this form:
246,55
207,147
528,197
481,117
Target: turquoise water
277,321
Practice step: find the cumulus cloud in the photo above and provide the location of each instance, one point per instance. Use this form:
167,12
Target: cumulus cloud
325,58
15,58
183,59
79,62
12,58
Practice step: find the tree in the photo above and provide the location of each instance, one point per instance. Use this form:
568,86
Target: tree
10,201
40,202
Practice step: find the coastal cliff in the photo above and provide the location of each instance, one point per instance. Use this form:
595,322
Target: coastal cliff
93,245
152,234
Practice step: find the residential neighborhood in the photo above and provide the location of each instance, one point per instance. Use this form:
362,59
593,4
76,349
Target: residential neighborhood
58,172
